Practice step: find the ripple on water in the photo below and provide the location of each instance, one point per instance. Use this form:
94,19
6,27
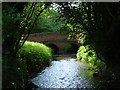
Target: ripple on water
67,73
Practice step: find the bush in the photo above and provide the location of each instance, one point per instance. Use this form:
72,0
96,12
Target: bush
14,74
35,56
31,58
85,53
68,48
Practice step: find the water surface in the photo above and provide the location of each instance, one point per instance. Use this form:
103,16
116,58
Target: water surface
66,73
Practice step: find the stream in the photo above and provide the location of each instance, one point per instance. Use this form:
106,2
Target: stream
67,72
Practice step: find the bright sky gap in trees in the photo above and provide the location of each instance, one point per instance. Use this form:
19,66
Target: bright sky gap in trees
60,0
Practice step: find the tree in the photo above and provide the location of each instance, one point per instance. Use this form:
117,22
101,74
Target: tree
49,21
97,24
18,18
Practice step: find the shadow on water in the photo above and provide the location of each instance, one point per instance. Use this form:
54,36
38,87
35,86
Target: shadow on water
61,57
66,72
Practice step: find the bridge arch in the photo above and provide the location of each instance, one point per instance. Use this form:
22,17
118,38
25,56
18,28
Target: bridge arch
75,47
54,47
56,41
71,48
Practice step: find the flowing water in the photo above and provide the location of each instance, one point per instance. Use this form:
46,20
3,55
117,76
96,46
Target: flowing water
66,73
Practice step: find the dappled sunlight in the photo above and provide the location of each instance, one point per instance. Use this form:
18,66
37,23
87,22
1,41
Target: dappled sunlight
37,34
66,73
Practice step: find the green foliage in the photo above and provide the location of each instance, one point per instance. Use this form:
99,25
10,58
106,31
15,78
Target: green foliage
68,48
31,58
10,32
13,77
35,55
30,14
18,21
95,24
10,35
49,21
15,23
85,53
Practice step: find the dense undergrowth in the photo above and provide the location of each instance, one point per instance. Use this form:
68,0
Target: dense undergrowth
110,76
85,53
68,48
31,58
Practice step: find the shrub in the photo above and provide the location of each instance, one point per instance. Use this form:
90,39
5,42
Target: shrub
85,53
35,56
31,58
68,48
14,74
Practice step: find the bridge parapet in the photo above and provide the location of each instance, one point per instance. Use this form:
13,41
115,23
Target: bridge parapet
54,36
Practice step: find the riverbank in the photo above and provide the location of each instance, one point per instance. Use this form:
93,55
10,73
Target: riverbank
30,59
65,70
66,73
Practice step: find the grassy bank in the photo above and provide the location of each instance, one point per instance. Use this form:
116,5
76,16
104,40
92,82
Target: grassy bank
31,58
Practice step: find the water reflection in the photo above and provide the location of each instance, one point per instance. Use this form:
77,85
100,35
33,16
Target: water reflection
66,73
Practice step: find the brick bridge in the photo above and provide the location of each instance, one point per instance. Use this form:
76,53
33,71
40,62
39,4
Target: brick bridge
58,42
